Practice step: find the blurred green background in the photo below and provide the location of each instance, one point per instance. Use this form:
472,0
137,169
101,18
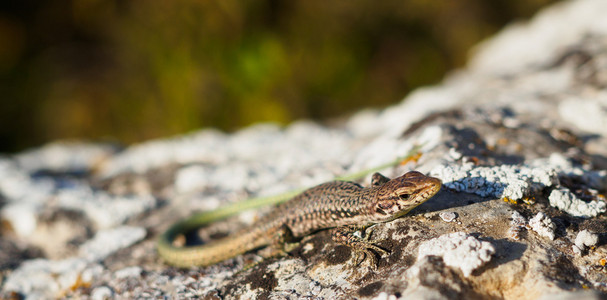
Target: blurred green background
129,71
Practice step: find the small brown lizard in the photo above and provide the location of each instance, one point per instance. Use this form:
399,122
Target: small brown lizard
343,205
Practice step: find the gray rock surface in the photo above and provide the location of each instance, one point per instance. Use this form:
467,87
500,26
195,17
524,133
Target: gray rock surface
519,139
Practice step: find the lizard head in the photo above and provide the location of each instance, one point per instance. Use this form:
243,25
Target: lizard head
398,196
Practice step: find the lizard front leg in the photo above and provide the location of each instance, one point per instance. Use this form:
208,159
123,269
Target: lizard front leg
362,247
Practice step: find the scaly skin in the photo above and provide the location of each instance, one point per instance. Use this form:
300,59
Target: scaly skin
343,205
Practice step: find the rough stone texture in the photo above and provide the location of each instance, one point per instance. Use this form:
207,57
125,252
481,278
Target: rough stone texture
458,250
519,139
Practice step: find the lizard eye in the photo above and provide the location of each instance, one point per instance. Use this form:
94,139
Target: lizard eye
404,196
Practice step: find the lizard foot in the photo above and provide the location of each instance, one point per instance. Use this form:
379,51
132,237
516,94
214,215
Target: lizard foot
362,247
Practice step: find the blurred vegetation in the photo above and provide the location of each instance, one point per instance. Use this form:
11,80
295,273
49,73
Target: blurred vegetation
134,70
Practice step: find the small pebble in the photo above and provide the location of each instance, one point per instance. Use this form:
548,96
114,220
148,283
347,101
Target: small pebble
448,216
101,293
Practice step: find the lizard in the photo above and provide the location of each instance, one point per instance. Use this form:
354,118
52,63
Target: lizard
345,206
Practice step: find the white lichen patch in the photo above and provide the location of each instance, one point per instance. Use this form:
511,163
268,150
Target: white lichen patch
458,250
293,281
102,293
22,217
517,182
565,168
265,145
108,241
593,111
505,181
103,209
64,156
385,296
543,225
517,224
201,146
386,149
132,272
518,219
584,240
16,185
28,195
43,279
566,201
191,178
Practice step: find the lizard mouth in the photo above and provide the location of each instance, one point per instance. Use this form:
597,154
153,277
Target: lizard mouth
429,186
432,186
425,187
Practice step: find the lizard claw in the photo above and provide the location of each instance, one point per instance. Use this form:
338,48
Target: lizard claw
361,255
362,247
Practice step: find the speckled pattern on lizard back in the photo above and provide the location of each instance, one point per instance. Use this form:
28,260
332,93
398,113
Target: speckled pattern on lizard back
345,206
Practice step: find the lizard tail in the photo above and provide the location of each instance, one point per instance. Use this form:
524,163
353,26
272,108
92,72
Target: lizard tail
204,255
